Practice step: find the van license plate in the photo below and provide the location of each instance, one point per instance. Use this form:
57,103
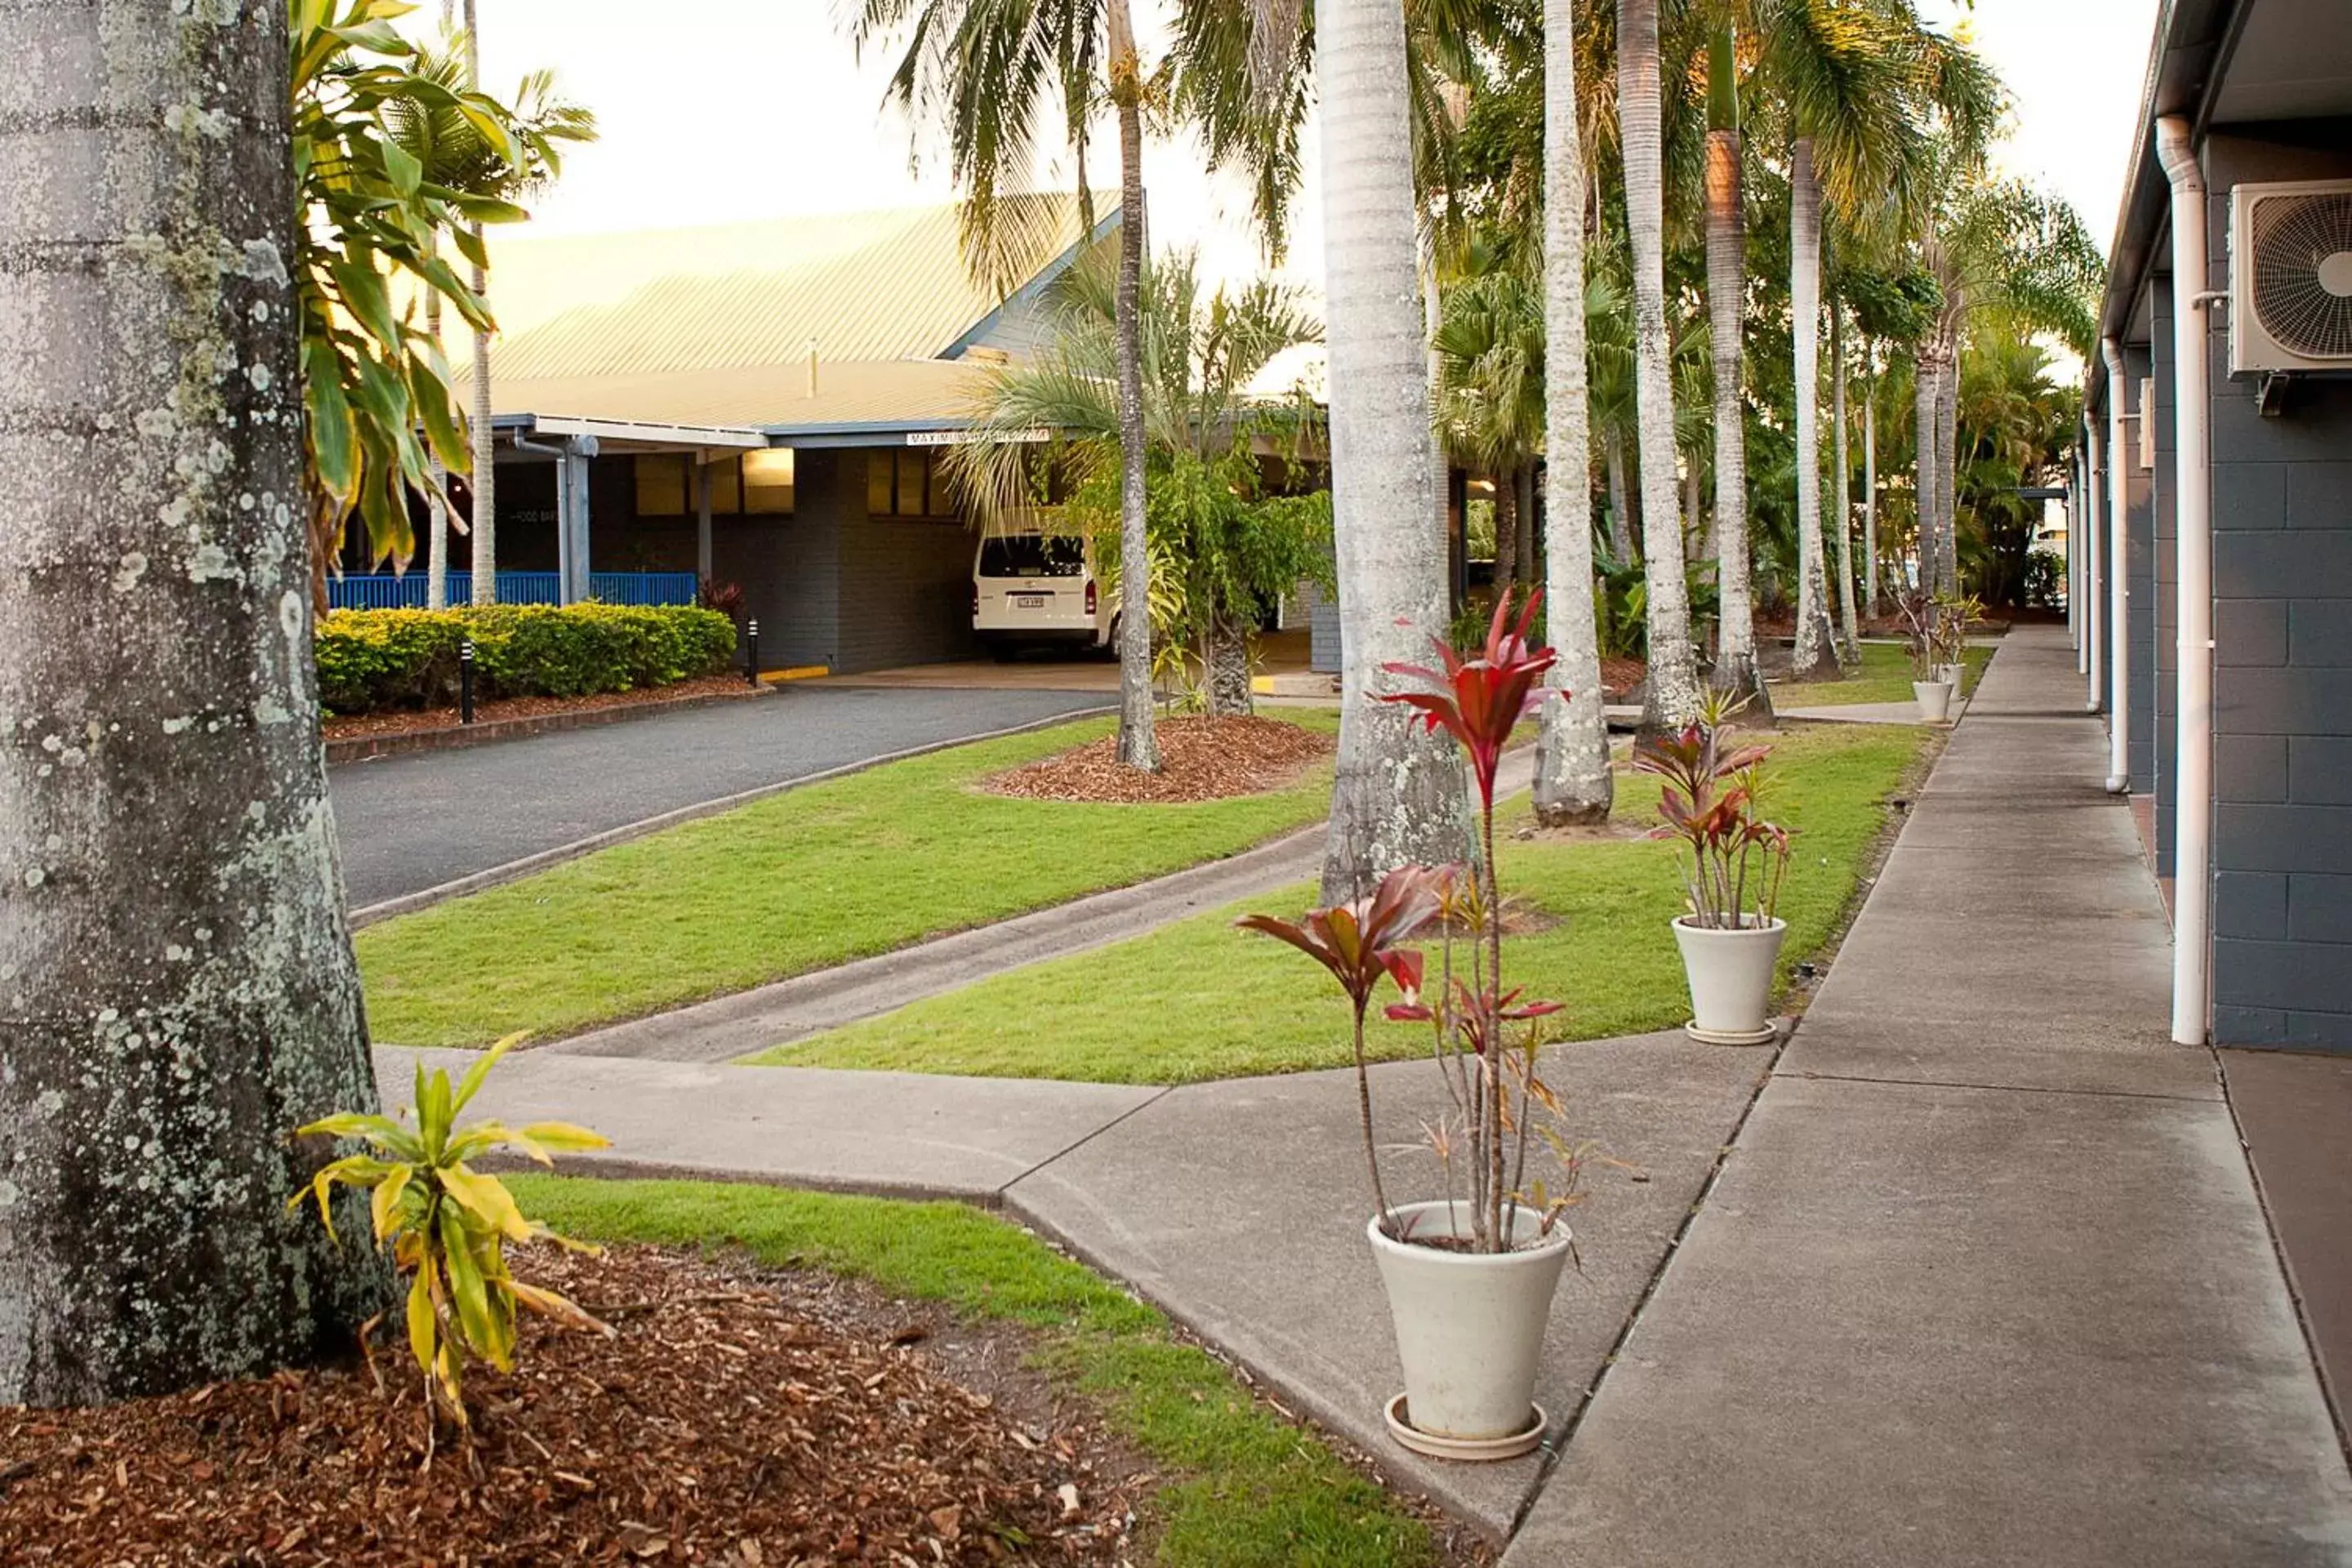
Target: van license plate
1028,601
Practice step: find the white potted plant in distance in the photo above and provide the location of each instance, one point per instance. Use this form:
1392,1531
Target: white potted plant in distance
1730,937
1470,1276
1923,639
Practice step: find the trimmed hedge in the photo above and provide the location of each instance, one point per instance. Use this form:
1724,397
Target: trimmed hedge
371,659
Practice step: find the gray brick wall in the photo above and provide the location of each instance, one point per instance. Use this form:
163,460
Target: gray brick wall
2161,654
2282,674
2139,568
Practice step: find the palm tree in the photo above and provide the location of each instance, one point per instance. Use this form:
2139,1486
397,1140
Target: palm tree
1399,794
1674,688
450,146
1726,289
1814,659
984,69
1226,544
1573,783
1490,385
1849,643
181,989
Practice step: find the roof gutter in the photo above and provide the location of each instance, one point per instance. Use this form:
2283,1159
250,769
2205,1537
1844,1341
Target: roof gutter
2193,529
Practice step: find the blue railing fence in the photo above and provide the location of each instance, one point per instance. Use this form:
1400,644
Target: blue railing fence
382,590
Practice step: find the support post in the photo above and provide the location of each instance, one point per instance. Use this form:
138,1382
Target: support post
702,519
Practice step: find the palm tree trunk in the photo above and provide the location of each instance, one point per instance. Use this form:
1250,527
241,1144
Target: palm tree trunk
1841,494
1573,783
1527,532
1229,669
1507,532
1947,474
1814,659
179,986
1139,743
484,480
1726,287
1398,793
1870,492
436,502
1925,486
1621,531
1673,697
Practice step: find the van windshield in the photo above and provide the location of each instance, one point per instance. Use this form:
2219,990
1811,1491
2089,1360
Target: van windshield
1033,555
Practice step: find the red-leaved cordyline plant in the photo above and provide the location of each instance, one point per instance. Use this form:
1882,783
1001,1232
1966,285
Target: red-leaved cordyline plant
1488,1065
1357,941
1709,802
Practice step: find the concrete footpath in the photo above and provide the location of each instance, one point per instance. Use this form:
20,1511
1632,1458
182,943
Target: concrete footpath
1985,1279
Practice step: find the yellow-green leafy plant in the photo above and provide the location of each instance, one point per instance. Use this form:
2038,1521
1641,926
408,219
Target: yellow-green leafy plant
448,1225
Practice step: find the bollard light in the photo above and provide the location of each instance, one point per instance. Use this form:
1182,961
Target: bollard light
751,655
466,681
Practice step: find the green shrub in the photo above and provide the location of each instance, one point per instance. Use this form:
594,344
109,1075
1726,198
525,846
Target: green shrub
371,659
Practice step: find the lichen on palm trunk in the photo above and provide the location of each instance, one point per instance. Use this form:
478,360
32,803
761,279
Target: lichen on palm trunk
177,990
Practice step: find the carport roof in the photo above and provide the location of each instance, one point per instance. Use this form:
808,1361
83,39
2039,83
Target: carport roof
881,399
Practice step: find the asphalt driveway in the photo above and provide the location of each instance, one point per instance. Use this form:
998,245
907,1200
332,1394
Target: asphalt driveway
410,823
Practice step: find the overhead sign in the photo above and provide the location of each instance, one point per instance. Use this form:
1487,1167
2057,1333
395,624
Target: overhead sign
958,438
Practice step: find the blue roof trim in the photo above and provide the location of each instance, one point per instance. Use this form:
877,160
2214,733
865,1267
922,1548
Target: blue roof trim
1029,292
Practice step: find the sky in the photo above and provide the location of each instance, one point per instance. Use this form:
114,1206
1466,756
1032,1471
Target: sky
735,110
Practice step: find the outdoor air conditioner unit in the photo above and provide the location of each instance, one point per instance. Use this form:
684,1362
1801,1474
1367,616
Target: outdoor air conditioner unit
2291,278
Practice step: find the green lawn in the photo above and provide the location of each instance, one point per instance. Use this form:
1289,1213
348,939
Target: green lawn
1244,1487
1198,1000
1885,676
802,881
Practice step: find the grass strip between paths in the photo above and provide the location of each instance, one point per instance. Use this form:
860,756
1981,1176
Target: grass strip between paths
1198,1000
800,882
1885,676
1247,1488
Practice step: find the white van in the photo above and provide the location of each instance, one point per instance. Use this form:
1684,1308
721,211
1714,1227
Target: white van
1036,590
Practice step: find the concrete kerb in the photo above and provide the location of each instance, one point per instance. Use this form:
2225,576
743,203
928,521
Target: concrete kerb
545,859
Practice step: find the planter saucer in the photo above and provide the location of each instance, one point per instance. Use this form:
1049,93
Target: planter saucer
1763,1036
1506,1447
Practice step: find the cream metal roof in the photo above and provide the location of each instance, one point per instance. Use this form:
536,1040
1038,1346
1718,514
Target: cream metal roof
896,394
864,287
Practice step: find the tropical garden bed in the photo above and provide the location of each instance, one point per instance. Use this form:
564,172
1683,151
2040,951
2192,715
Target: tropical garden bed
1201,759
1198,1000
791,1377
400,721
815,877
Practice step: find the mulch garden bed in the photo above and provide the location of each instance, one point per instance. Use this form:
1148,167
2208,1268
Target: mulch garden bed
406,721
733,1418
1201,759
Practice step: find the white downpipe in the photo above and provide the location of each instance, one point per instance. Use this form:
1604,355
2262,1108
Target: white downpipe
2193,472
2094,623
2118,578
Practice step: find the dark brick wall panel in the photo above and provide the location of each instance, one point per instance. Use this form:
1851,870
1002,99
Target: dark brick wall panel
2282,676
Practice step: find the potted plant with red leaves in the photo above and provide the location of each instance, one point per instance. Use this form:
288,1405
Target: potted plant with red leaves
1932,685
1470,1275
1730,935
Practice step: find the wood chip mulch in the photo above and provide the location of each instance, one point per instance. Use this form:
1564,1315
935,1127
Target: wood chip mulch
403,721
1202,758
724,1424
1622,676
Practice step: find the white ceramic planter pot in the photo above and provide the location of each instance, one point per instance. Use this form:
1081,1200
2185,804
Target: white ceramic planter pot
1730,974
1934,700
1953,675
1470,1330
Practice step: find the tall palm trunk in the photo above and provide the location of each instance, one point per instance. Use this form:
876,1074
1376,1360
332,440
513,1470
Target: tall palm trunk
1842,493
1947,474
1814,659
1228,669
1673,698
436,499
1506,530
177,991
1870,490
1573,783
1927,487
1529,514
1621,527
484,480
1139,743
1398,795
1726,287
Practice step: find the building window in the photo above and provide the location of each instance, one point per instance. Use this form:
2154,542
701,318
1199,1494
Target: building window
662,485
907,482
768,478
727,487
